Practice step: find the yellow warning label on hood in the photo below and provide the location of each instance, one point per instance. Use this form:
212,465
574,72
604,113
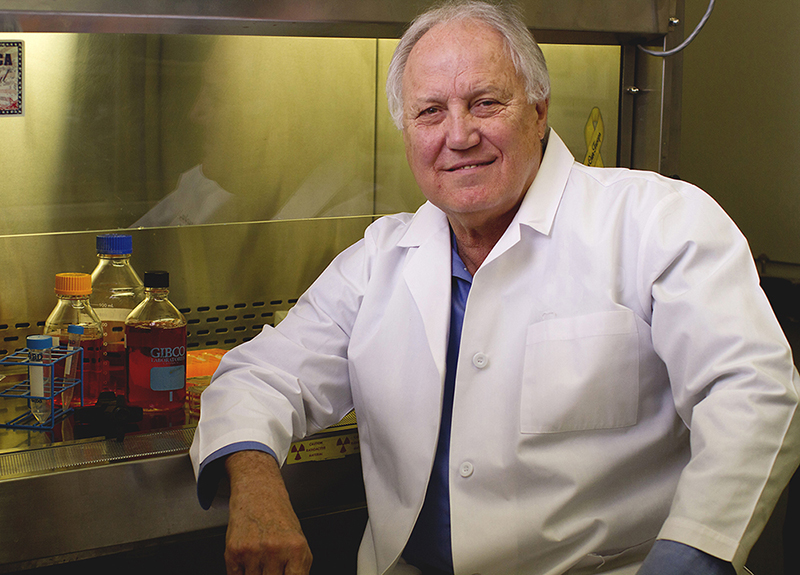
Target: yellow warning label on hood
324,448
593,132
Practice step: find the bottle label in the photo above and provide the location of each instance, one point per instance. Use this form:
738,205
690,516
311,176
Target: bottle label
36,372
156,366
167,378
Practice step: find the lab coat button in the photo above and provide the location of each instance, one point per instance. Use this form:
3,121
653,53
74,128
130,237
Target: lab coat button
466,469
480,360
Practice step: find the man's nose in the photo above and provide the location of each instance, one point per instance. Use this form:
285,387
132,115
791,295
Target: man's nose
462,131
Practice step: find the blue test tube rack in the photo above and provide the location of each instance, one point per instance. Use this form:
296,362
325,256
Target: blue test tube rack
59,385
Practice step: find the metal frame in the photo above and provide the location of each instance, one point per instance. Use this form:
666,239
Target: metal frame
618,21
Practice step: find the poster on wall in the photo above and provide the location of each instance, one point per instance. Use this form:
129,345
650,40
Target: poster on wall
11,92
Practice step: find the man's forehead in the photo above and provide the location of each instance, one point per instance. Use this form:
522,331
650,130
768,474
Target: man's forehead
471,51
466,33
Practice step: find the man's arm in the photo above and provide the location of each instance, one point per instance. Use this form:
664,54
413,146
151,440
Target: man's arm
731,374
264,534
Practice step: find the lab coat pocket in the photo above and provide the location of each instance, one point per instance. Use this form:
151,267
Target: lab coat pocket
581,373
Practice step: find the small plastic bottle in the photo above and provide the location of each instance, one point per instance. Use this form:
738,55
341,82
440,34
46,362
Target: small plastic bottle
39,377
116,290
73,308
155,333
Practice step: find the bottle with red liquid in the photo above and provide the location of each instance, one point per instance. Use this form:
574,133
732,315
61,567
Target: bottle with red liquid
73,308
116,290
155,336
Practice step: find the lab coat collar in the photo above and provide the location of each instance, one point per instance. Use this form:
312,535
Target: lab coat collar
427,221
427,275
539,207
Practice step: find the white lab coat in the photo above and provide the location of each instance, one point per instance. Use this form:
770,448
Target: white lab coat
619,311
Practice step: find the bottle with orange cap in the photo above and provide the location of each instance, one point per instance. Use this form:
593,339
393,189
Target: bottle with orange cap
73,308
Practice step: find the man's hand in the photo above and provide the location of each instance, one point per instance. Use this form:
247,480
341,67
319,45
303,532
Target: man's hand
264,535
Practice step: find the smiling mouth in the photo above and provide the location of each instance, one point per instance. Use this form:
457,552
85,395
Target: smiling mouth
470,166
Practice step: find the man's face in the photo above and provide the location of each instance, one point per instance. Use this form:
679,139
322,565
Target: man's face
472,139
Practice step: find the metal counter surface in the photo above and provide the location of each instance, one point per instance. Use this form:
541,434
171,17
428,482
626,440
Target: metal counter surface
83,499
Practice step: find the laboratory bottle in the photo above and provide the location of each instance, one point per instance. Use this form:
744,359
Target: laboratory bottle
73,308
116,290
155,335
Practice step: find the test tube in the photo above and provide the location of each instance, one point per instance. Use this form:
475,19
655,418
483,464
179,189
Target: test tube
39,376
71,367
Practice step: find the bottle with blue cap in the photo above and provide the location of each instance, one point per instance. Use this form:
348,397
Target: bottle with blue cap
116,291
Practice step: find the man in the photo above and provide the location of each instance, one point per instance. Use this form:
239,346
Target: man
552,365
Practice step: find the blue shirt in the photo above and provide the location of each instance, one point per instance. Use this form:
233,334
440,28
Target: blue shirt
429,544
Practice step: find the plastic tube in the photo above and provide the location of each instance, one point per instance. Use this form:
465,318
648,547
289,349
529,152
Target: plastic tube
39,376
71,366
687,41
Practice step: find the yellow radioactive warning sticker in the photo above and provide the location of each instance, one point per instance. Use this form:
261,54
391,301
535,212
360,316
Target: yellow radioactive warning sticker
323,448
593,132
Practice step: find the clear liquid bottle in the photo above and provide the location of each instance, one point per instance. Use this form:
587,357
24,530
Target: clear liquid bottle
155,334
39,377
73,308
116,290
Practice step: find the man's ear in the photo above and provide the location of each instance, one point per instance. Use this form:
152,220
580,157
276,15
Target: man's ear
541,123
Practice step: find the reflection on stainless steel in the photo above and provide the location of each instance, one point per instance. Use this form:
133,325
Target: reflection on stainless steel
162,130
149,131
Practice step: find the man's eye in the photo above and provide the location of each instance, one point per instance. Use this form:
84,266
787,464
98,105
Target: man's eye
428,111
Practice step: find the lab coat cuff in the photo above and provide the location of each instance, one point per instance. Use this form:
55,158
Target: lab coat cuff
699,536
212,469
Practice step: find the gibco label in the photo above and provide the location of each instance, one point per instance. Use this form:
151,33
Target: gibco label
168,353
173,374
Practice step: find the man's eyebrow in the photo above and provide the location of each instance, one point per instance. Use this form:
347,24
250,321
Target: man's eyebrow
490,88
477,91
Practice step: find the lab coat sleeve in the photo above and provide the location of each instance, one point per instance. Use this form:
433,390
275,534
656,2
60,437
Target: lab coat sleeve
730,370
292,380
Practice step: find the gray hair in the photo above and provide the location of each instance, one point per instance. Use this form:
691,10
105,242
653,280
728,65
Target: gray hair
525,53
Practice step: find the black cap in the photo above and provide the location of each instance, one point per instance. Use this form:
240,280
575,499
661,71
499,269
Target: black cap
156,279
